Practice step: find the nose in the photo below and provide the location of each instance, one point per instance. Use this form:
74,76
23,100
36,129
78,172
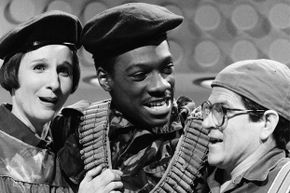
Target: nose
159,84
53,81
208,123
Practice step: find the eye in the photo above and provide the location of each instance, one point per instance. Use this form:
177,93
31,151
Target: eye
65,70
39,67
168,69
219,109
139,76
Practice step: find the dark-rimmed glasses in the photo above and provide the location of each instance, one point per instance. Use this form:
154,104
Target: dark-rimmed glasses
219,113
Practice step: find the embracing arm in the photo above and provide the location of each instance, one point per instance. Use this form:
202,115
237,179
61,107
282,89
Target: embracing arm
98,181
64,129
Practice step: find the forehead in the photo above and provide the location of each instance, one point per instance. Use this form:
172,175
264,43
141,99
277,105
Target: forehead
56,52
225,96
148,54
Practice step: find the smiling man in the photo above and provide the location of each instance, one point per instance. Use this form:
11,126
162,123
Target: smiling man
248,118
140,130
142,83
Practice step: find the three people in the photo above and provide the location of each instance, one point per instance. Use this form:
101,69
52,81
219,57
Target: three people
40,71
248,118
140,130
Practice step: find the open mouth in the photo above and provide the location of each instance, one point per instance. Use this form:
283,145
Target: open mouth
159,106
214,140
52,100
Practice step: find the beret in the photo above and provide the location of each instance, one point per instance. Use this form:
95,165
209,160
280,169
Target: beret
264,81
52,27
126,27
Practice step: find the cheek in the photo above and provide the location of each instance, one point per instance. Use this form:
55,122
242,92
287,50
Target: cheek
30,81
66,85
131,90
231,139
237,139
28,87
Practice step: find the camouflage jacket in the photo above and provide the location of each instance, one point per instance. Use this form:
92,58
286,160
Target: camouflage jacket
166,159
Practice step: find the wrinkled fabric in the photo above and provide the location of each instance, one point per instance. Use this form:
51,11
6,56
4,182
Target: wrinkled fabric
142,155
64,134
27,164
257,179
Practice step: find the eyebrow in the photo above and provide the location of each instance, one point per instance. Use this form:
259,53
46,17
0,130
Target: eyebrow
167,60
163,62
39,60
221,102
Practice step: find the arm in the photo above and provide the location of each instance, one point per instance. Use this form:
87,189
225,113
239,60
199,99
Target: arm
64,130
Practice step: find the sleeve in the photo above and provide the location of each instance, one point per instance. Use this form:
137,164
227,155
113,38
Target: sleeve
64,130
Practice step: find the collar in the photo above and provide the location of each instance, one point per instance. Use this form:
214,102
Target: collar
258,172
11,125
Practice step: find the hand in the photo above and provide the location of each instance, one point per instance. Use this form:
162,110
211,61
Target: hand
97,181
197,113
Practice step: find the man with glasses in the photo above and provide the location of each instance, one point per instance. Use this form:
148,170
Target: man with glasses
247,115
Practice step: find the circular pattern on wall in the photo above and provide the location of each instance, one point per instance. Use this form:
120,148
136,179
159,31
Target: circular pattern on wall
60,5
213,34
20,10
207,54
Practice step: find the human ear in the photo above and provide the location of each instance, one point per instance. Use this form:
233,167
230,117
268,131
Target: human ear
271,119
104,79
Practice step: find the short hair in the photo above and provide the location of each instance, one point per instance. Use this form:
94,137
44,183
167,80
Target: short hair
281,133
9,71
107,64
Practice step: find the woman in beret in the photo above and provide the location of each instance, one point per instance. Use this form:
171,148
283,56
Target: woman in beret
40,71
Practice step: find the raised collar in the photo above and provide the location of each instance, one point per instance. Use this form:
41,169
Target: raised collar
11,125
259,172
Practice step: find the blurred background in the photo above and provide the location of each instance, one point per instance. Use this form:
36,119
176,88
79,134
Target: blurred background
214,34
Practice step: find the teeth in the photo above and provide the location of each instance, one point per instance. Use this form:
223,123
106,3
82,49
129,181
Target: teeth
157,104
158,107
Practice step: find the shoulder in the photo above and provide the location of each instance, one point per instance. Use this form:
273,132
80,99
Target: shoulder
78,106
281,179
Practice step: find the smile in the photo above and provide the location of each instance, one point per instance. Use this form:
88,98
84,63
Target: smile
159,106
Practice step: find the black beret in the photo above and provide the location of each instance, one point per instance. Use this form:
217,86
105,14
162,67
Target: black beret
125,27
52,27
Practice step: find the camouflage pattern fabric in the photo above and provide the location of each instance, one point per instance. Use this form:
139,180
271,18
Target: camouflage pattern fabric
165,159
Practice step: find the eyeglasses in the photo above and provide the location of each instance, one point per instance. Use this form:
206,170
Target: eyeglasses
219,113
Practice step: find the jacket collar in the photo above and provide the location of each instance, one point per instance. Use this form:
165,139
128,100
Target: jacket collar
259,172
11,125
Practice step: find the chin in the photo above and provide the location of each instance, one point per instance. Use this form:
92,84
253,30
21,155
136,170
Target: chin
214,161
46,116
159,123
